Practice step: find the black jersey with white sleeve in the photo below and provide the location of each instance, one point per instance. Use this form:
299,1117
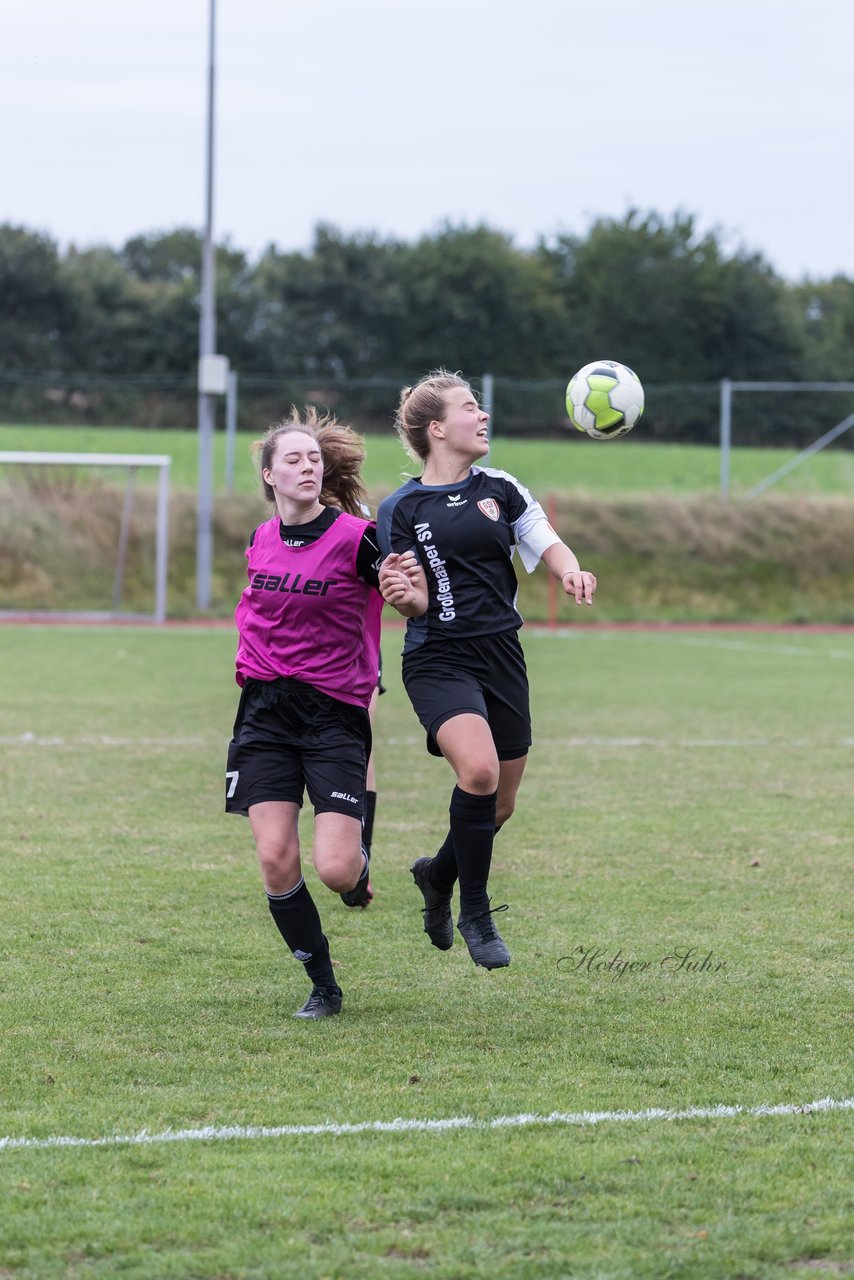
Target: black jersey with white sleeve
465,536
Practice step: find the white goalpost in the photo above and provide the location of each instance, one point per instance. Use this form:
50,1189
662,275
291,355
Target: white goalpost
728,387
131,462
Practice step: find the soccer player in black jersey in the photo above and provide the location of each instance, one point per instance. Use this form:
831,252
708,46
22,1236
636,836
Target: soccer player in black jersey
463,665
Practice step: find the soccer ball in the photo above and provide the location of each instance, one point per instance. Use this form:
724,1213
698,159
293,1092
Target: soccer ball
604,399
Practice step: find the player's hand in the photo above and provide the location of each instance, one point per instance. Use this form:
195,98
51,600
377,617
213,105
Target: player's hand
405,564
402,583
580,584
409,564
395,585
396,588
389,572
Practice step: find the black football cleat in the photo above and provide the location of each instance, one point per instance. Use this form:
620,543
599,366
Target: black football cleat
322,1003
485,944
438,924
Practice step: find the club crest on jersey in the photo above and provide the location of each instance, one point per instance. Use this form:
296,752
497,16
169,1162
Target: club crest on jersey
489,507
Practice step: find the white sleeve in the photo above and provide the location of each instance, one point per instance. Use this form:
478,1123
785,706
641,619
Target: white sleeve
531,530
534,535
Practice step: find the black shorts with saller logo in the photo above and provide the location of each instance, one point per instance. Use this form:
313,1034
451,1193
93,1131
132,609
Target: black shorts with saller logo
480,675
289,737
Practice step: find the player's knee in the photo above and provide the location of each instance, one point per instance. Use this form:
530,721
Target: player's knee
480,778
504,809
280,867
340,877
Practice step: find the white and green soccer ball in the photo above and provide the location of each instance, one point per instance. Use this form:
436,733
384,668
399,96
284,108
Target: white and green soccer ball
604,399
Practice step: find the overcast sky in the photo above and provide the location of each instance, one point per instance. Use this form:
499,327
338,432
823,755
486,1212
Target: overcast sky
534,116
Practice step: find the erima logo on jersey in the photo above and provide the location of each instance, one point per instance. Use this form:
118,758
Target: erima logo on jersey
343,795
454,500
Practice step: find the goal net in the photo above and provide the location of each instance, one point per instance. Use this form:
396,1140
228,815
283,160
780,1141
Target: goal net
84,535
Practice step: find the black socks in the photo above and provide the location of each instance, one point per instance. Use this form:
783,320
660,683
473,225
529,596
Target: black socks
368,819
443,870
472,832
298,921
366,871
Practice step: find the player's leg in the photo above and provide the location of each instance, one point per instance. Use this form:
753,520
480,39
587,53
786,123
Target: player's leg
371,783
370,810
275,828
445,694
339,858
466,853
335,776
264,781
466,742
509,780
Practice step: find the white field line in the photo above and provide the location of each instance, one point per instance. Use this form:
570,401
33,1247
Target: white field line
577,1119
785,650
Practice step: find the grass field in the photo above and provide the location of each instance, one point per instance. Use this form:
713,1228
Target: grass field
545,466
686,790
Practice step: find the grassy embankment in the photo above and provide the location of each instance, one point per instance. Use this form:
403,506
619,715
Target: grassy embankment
646,518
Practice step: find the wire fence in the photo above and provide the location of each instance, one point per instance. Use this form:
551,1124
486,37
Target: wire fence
678,413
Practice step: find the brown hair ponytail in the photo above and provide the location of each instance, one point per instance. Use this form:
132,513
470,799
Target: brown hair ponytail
420,405
342,450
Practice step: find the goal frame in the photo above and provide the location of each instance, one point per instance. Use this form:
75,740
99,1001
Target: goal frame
131,462
727,387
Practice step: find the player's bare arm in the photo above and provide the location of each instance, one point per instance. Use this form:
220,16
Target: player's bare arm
563,563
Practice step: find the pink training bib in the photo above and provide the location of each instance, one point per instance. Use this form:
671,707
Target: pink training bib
306,614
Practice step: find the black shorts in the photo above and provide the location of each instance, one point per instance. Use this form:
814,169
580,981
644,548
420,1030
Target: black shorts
484,675
289,737
380,686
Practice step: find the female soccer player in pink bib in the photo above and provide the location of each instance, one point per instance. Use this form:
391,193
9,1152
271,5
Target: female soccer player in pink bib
307,661
463,666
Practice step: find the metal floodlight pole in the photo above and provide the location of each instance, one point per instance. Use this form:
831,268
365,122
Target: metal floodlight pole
207,347
725,434
230,429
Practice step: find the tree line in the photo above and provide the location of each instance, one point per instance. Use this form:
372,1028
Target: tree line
646,289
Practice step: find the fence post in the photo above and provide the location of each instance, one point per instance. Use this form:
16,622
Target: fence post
162,554
487,399
230,428
726,433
